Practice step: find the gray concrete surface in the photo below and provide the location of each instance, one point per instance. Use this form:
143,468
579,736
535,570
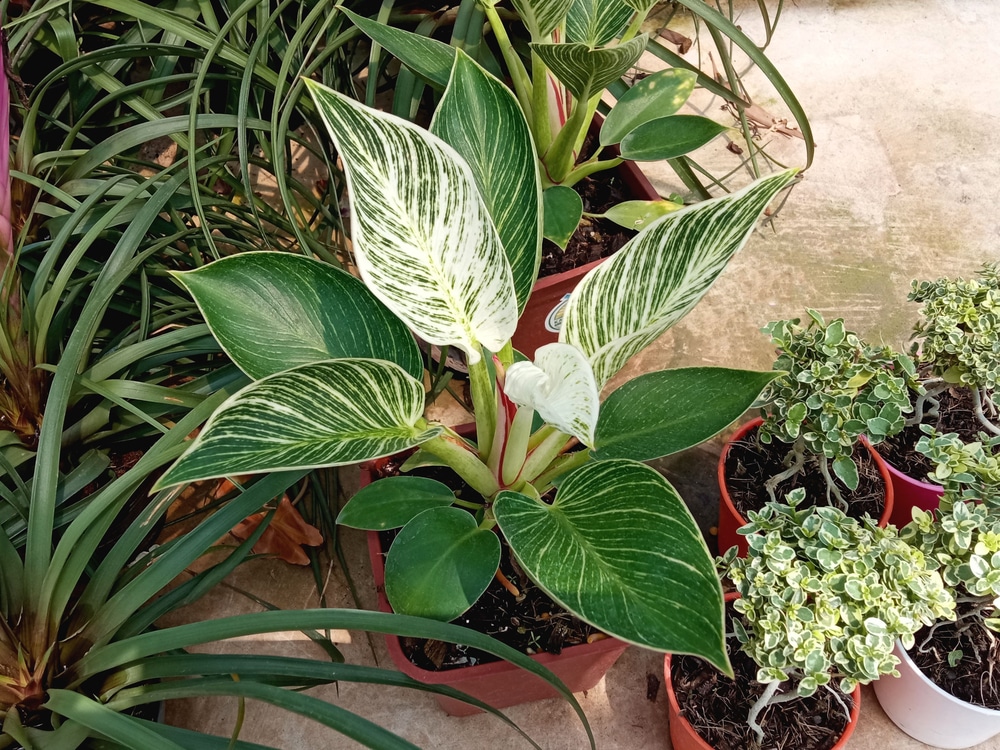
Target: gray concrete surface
905,103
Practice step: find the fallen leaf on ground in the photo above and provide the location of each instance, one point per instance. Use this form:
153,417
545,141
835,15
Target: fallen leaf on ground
285,536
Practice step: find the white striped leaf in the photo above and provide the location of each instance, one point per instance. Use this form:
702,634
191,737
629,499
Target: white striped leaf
560,386
623,305
641,5
541,17
423,239
323,414
619,549
274,311
597,22
585,71
480,118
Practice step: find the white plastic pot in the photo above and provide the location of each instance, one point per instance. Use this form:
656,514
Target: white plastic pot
929,714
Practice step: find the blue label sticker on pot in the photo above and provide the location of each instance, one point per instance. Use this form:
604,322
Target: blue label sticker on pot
553,321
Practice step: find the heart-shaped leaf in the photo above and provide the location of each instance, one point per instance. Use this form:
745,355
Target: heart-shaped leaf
423,239
624,304
669,137
541,17
439,564
504,165
392,502
425,56
322,414
560,386
563,209
638,215
619,549
657,95
660,413
274,311
597,22
586,71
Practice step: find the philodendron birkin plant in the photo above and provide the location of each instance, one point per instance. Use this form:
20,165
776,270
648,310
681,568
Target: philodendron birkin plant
823,598
339,380
833,390
577,50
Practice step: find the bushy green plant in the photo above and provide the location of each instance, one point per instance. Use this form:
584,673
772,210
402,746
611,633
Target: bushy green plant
959,338
340,381
968,471
834,389
823,597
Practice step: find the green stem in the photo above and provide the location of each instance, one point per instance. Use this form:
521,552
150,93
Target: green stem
588,168
558,159
484,405
560,466
517,445
518,74
453,451
541,124
634,27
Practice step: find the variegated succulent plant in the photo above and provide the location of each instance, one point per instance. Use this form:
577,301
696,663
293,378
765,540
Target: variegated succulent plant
446,227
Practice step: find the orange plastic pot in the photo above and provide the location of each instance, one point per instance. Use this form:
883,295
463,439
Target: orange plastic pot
683,736
731,519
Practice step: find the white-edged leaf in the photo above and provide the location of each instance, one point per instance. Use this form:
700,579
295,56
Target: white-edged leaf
560,386
322,414
619,549
623,305
585,71
541,17
597,22
274,311
504,164
423,239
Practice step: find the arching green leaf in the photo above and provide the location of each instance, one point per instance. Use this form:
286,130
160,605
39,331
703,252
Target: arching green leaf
427,57
423,239
619,549
274,311
323,414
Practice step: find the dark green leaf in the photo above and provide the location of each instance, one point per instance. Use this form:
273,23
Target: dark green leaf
392,502
669,137
563,209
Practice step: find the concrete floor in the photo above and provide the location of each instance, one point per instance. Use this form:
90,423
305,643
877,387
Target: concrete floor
905,104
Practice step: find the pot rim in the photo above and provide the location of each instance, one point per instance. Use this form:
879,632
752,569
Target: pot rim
904,655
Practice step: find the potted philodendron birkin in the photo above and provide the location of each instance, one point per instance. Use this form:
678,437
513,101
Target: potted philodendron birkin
947,694
835,391
577,50
821,599
616,546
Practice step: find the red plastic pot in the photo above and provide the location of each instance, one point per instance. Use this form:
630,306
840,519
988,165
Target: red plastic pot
909,493
541,320
730,519
500,684
683,736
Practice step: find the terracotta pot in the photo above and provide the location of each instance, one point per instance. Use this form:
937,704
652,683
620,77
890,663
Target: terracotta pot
500,684
929,714
730,519
542,317
683,736
909,493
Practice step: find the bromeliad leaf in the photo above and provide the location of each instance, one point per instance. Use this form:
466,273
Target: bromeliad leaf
439,564
660,413
560,386
541,17
274,311
392,502
504,163
658,95
597,22
427,57
624,304
423,239
669,137
619,548
322,414
586,71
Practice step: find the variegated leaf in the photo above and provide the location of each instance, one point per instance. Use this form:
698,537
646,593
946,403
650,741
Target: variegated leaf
597,22
423,239
541,17
274,311
504,164
585,71
323,414
641,5
619,549
560,386
624,304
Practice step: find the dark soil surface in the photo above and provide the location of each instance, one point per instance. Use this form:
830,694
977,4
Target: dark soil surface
717,706
530,622
954,415
750,463
976,677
